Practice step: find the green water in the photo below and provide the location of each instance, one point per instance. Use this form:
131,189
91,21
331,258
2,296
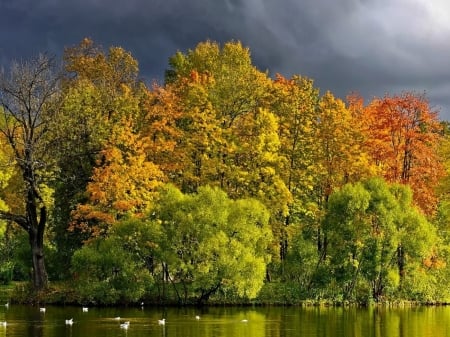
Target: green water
227,322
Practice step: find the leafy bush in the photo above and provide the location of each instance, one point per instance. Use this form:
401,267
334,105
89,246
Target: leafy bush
105,273
6,272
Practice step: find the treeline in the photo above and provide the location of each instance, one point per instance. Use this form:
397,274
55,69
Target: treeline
221,183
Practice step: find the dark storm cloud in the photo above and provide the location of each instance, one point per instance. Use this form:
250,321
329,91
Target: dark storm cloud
371,46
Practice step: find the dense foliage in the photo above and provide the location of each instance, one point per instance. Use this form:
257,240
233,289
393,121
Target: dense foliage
219,184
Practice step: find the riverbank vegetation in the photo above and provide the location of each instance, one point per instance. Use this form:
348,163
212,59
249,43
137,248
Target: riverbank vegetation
220,185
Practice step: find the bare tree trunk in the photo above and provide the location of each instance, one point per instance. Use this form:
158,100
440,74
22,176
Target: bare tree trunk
36,238
37,251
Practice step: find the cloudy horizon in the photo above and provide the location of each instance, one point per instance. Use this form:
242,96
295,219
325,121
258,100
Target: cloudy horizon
369,46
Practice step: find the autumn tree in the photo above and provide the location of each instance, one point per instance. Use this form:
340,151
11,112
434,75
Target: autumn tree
402,138
339,158
109,69
164,113
183,126
295,104
123,183
27,96
219,89
236,85
101,90
229,131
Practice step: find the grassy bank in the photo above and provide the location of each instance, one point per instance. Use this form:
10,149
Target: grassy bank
271,294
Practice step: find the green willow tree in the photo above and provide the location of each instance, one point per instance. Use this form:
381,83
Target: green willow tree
377,240
27,97
210,243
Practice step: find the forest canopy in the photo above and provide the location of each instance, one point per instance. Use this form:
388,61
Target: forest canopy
221,183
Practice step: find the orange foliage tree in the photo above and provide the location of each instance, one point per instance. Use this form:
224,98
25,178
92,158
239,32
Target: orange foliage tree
402,138
101,123
163,111
185,132
123,183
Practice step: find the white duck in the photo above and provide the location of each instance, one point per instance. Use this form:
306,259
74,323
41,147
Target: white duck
125,325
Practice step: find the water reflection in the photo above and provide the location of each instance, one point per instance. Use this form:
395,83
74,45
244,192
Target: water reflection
226,322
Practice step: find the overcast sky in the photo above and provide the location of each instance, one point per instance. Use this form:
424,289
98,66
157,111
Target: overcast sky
368,46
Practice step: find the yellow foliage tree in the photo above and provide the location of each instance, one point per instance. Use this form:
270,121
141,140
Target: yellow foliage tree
340,157
123,183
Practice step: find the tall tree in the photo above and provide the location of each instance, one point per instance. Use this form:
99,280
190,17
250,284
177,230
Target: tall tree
184,116
163,115
229,128
403,134
100,90
26,96
340,157
295,104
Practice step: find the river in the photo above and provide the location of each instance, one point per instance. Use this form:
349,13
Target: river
30,321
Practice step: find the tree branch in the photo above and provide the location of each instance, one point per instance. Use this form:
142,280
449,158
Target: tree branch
18,219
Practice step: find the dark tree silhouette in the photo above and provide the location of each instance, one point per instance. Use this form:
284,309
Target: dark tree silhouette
27,94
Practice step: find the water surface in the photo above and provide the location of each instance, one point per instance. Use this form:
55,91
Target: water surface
226,322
